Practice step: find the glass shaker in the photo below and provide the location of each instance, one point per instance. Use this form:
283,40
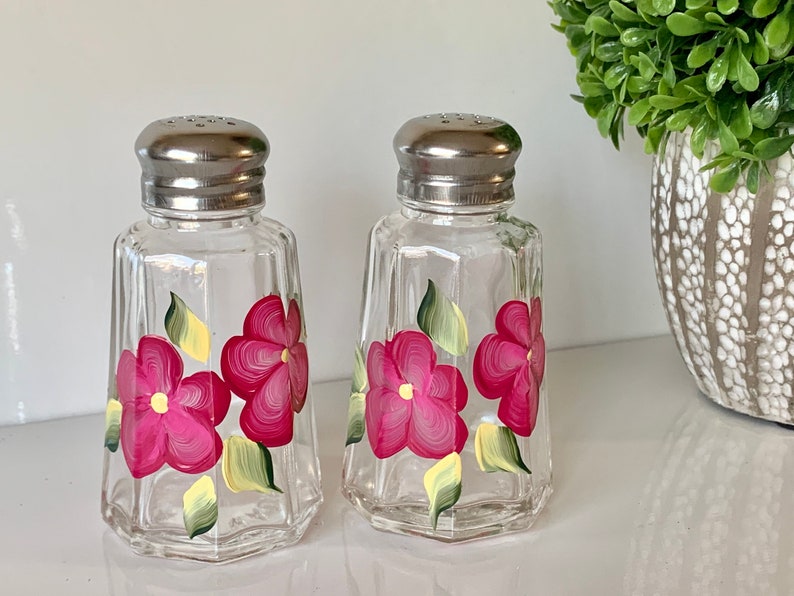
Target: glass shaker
210,443
448,432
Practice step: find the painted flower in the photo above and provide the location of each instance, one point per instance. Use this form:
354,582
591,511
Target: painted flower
412,401
269,368
510,363
166,419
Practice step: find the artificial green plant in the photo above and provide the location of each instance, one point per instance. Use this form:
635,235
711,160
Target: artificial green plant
722,69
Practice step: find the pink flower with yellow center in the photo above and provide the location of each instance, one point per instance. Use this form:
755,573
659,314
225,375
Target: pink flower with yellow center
412,402
510,364
268,367
166,419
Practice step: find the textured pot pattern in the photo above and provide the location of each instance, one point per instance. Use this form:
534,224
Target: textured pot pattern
725,268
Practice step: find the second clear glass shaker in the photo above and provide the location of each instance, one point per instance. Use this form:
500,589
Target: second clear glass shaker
448,432
210,446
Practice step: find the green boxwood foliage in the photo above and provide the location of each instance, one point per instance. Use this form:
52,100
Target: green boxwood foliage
721,68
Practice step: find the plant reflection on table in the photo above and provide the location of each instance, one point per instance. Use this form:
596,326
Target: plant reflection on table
273,573
376,563
717,508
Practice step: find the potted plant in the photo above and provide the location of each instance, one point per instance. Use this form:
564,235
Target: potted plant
709,85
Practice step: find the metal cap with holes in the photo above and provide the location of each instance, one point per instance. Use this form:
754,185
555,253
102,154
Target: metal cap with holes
196,164
453,159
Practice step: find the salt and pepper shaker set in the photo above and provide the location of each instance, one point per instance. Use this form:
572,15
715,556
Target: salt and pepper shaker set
211,448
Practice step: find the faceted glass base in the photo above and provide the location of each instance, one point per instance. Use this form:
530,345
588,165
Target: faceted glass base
203,548
478,520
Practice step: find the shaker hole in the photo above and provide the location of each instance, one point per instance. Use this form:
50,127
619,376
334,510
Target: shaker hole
231,123
199,124
445,122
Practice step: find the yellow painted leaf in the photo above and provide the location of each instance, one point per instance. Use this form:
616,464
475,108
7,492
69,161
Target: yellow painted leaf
442,321
247,466
355,418
186,330
200,507
497,450
112,424
359,372
443,485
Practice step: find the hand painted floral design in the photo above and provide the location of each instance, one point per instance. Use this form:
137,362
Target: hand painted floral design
510,363
412,401
269,368
165,418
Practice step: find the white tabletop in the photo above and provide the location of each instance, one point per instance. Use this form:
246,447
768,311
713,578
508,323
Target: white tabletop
656,491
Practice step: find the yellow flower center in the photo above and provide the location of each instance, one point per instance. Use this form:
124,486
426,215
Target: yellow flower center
285,355
529,355
406,391
159,403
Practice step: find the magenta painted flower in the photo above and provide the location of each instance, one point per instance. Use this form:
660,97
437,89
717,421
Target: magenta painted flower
269,368
165,418
510,363
412,401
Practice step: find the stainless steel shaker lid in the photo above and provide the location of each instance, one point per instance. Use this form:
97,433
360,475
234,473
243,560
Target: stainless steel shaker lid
452,159
194,164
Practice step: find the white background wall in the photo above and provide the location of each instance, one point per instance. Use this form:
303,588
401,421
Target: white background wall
329,83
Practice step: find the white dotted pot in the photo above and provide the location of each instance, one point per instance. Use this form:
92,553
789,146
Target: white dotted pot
725,267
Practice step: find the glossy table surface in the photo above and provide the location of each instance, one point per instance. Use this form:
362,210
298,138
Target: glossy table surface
657,491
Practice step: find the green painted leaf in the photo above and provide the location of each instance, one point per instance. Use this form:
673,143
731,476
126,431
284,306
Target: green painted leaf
186,330
684,25
497,449
112,424
442,321
200,507
247,466
356,425
359,371
443,485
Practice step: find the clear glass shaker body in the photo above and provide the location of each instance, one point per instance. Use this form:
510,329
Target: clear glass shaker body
448,411
210,440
